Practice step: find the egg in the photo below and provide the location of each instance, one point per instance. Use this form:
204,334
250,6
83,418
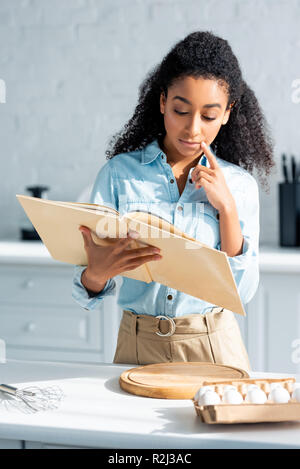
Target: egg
275,385
296,394
228,387
256,396
232,396
244,388
252,386
209,397
201,391
279,395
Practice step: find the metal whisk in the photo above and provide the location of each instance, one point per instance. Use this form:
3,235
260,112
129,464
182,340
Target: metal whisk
32,398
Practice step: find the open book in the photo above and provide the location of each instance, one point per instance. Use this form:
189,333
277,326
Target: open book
187,265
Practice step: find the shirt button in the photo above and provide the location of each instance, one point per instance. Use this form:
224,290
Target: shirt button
179,208
171,181
170,297
191,181
218,216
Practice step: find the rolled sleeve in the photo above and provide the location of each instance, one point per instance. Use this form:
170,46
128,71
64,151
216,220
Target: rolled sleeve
103,193
245,267
81,295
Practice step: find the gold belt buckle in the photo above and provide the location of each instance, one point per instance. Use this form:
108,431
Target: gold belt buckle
173,326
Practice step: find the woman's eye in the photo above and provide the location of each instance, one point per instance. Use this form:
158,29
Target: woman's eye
178,112
204,117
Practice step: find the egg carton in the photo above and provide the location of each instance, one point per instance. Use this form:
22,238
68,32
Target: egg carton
246,412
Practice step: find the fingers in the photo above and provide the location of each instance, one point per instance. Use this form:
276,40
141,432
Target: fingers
210,156
199,170
133,234
86,234
123,242
202,176
142,260
142,252
202,180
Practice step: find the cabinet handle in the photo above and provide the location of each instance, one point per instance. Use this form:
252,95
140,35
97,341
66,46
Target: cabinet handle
28,283
30,327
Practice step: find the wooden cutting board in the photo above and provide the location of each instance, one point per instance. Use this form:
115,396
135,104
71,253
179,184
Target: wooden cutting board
176,380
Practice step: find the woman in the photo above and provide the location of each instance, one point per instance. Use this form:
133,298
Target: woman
195,136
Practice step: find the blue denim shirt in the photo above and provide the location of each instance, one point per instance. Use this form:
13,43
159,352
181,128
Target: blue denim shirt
144,180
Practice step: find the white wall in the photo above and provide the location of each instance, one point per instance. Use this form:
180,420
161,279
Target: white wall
72,70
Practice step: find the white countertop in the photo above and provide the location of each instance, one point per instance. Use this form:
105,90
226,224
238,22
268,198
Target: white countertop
97,413
271,258
277,259
26,252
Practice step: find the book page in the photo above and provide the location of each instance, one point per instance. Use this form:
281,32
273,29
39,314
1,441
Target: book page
188,265
79,205
57,224
97,207
146,220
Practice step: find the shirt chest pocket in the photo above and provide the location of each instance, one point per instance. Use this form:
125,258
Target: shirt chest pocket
133,190
207,224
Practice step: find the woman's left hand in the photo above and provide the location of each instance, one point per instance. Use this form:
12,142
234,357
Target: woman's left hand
213,181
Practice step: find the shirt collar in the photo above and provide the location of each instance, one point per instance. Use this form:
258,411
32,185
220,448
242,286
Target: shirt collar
153,150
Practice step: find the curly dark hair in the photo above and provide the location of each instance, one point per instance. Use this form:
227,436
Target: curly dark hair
245,140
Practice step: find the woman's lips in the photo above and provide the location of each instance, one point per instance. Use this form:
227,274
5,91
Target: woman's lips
189,145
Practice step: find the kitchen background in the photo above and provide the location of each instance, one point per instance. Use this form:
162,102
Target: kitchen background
72,69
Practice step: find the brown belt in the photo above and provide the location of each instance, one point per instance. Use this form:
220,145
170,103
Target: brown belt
165,326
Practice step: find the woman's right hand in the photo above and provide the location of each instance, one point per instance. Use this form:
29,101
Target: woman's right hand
105,262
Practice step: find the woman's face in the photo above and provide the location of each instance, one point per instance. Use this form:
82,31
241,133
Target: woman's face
194,111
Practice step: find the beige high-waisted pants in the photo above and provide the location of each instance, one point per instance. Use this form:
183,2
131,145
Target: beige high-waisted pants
213,337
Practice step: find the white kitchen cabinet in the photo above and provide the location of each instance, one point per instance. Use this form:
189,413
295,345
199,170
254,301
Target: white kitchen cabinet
271,330
39,320
11,444
273,323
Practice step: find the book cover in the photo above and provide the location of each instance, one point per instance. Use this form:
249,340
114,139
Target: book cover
187,264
